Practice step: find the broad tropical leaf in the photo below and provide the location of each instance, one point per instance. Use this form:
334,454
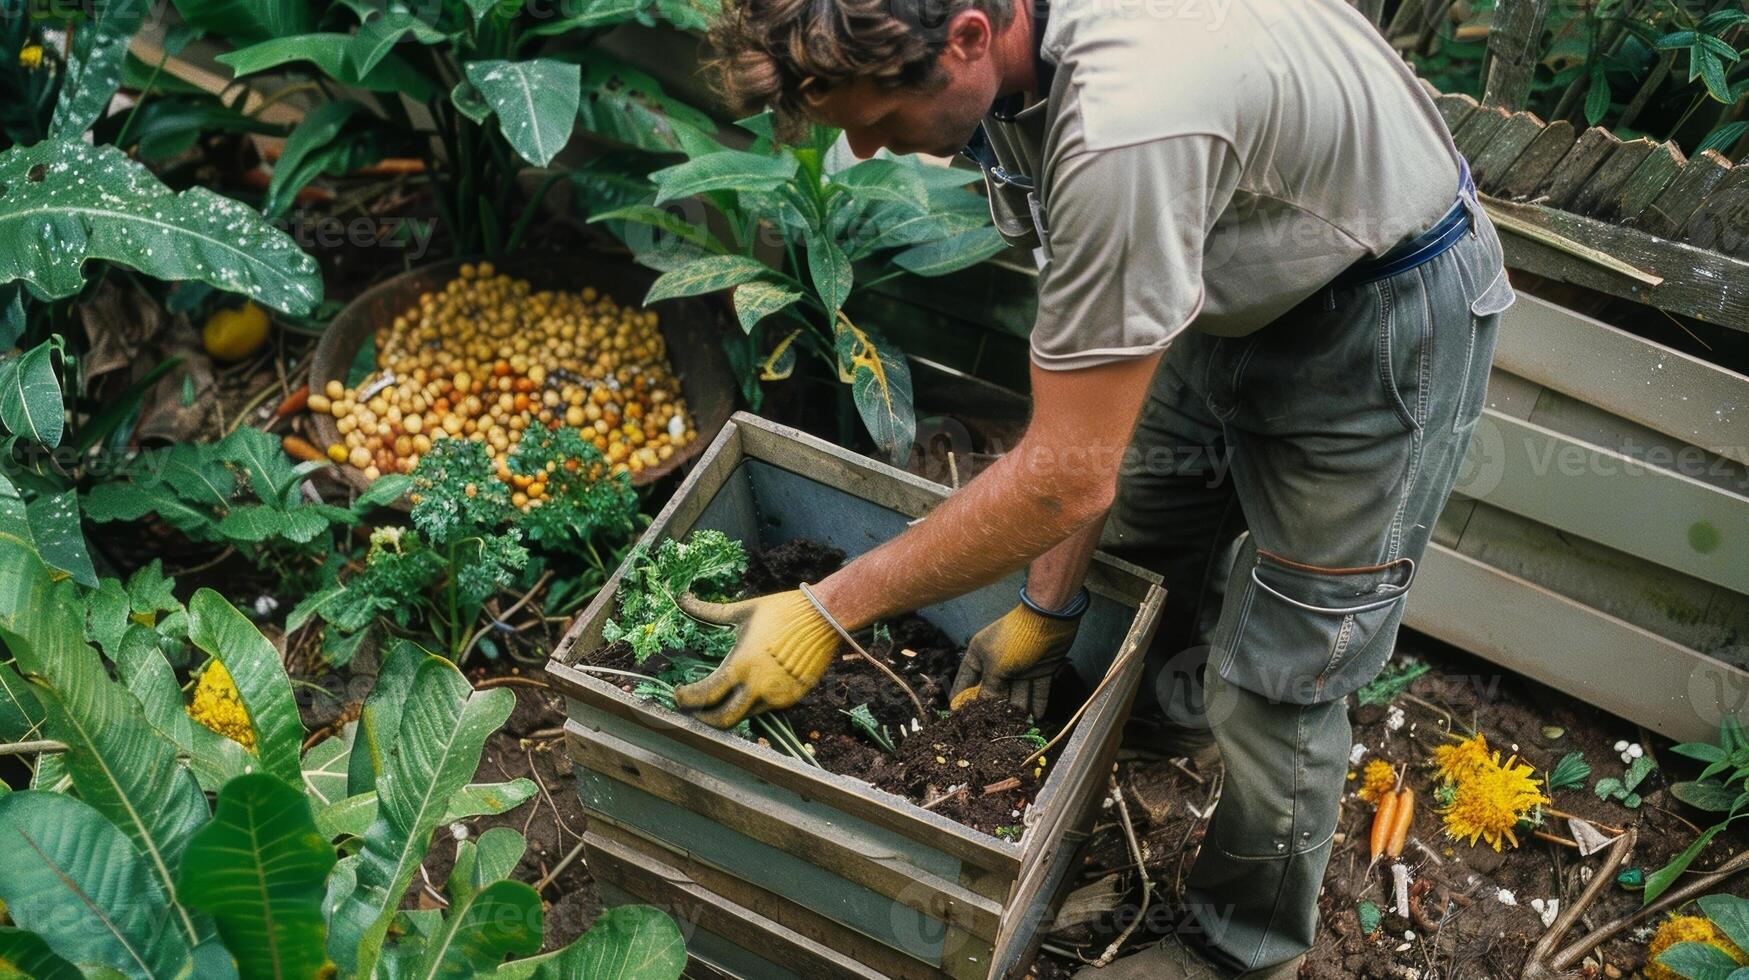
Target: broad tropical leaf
94,65
480,929
325,770
381,30
380,718
259,868
831,272
536,102
316,131
880,381
627,106
951,254
26,953
329,53
216,627
443,728
122,766
54,526
631,942
707,275
30,394
352,816
69,875
754,301
140,664
67,203
247,21
723,170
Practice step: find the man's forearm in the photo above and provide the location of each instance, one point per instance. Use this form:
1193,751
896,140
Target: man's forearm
996,524
1055,576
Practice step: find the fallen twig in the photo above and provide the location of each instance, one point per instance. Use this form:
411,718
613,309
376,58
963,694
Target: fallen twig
1536,966
1675,896
1012,782
513,680
1111,674
565,862
1129,833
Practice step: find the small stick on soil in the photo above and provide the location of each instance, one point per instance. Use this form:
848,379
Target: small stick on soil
1129,833
1012,782
943,798
1535,967
916,701
38,747
565,862
1111,674
1675,896
1606,828
1556,839
505,615
511,680
1181,767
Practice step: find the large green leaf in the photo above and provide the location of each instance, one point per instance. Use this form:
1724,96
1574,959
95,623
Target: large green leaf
259,869
247,21
69,875
255,666
724,170
631,942
443,728
381,30
21,717
94,65
30,394
1698,961
67,203
54,526
1731,914
880,381
627,106
754,301
536,102
318,129
480,929
380,718
25,954
329,52
353,815
140,664
707,275
324,770
121,765
831,272
951,254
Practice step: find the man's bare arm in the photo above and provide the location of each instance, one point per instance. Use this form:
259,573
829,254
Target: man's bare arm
1060,480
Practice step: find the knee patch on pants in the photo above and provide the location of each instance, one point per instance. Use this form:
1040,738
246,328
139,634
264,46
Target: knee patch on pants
1304,634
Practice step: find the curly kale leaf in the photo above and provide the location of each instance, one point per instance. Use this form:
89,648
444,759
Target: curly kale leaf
709,565
457,496
583,501
492,567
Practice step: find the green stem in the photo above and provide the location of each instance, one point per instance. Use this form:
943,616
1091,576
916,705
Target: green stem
145,93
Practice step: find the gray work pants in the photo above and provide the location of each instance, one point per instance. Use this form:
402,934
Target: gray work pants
1285,485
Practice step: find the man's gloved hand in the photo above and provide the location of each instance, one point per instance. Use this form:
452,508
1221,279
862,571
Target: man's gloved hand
1015,657
783,647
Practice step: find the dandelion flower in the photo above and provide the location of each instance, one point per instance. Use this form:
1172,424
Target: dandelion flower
1376,780
30,56
1490,800
1686,929
219,706
1459,759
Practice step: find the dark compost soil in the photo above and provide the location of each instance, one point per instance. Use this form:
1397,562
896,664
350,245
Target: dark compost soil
949,762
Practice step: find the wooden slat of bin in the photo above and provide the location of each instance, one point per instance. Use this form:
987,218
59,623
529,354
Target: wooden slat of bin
1602,187
802,833
1671,211
1477,131
668,888
1491,166
1677,521
1647,183
1576,167
1456,108
1656,386
793,911
1532,167
1574,648
1722,220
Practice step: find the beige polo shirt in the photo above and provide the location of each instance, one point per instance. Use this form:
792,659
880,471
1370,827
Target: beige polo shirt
1211,163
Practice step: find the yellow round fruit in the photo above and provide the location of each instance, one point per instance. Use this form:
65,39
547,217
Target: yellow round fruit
231,335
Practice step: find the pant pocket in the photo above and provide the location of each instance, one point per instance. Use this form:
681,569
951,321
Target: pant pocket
1305,634
1485,313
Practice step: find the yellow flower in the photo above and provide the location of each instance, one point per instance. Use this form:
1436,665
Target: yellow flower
1459,759
218,706
1686,929
1379,778
1490,800
30,56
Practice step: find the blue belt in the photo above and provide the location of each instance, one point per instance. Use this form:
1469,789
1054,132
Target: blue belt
1422,249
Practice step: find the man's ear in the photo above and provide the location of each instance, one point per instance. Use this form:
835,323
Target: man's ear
970,36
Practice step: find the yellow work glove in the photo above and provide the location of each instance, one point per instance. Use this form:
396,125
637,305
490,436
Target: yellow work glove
1015,657
782,647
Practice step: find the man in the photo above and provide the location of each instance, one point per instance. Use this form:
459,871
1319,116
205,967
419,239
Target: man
1262,259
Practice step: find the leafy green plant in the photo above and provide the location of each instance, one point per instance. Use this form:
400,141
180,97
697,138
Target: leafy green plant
1729,914
864,721
1387,686
798,225
136,874
1722,788
709,565
500,83
467,541
1623,789
1570,773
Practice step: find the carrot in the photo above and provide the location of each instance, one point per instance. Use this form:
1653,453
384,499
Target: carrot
1401,816
301,449
1382,824
295,402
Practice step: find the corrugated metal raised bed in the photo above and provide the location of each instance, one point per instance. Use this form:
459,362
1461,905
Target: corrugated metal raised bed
779,869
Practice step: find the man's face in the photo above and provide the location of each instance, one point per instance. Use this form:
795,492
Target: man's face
930,119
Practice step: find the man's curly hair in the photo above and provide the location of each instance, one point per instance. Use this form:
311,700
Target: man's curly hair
768,51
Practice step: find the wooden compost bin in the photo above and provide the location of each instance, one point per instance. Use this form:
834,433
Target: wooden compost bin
777,869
